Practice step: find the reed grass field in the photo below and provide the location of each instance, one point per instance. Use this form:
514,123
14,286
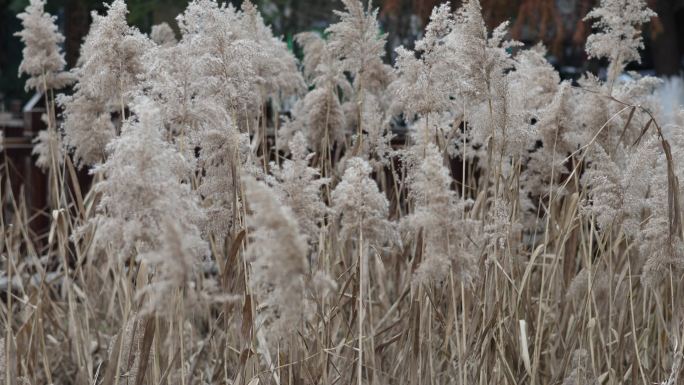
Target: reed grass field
259,215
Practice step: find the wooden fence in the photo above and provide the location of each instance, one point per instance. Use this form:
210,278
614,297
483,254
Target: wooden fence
21,179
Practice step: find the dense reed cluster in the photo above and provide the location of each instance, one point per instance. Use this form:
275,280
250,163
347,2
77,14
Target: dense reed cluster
462,216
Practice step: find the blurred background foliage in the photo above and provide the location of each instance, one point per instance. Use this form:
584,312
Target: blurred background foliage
556,23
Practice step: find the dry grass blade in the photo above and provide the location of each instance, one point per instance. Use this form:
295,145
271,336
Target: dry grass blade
643,131
111,375
627,123
145,347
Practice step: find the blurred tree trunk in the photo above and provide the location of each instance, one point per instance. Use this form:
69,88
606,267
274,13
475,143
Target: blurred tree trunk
76,24
396,16
667,53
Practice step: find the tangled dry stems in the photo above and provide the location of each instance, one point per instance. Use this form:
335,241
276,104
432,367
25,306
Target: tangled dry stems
528,230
